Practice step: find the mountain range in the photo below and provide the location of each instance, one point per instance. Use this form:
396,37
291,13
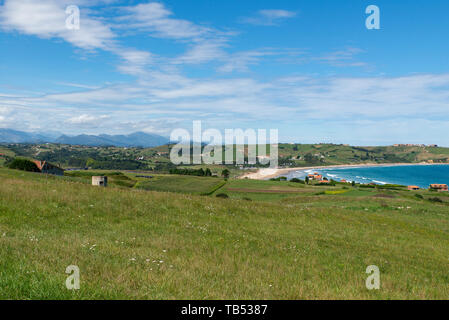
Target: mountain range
137,139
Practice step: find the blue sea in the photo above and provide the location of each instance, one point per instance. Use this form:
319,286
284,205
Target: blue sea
419,175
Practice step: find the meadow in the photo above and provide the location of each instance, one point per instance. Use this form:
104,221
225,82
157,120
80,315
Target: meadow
182,184
307,242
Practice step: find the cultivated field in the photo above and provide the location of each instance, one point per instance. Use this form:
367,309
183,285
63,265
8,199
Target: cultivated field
132,243
182,184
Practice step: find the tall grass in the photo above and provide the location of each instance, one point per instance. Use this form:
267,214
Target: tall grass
135,244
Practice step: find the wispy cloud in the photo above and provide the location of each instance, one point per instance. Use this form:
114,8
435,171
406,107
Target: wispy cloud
304,98
342,58
203,43
204,51
46,19
87,119
156,19
162,95
77,85
241,61
134,62
269,17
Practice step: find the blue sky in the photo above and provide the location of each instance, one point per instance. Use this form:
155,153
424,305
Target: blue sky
308,68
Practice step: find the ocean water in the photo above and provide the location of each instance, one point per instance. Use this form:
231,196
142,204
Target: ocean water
419,175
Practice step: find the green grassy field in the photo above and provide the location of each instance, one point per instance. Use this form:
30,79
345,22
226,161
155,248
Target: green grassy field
4,153
263,190
182,184
135,244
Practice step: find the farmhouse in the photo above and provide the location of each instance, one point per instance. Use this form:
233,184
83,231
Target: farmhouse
413,188
315,176
439,187
48,168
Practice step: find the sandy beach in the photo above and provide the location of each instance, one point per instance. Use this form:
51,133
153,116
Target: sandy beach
269,173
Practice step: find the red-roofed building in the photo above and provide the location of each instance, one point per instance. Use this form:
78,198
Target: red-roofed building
439,187
48,168
315,176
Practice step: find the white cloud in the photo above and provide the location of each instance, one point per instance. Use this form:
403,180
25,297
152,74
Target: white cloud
134,62
162,96
333,99
205,44
342,58
47,19
240,61
4,110
86,119
371,108
277,14
204,51
77,85
156,19
269,17
423,96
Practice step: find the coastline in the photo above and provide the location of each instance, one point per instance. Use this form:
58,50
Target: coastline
269,173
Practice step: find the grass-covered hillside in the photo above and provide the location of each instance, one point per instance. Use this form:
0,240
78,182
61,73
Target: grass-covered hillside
158,159
303,242
331,154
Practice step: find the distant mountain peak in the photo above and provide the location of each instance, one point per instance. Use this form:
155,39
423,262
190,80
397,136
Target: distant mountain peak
136,139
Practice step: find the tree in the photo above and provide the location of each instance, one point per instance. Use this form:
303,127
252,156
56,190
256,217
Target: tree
307,180
24,164
225,173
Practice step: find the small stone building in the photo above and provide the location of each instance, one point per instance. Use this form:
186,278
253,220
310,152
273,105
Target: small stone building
100,181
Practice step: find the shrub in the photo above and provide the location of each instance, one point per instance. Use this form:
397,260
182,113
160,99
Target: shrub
436,199
191,172
222,196
419,196
296,180
23,164
225,173
367,186
279,179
